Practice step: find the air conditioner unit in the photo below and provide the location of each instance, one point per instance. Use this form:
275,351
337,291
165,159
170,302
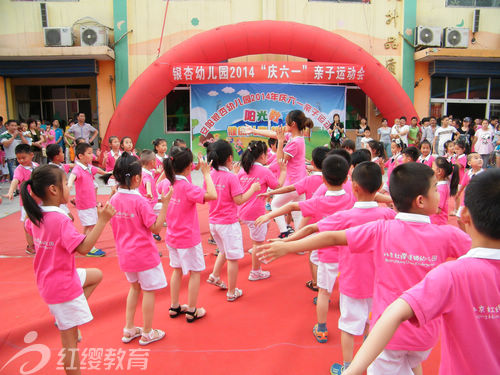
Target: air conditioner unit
57,36
455,37
427,36
93,36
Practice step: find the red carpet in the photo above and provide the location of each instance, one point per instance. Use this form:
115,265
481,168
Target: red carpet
267,331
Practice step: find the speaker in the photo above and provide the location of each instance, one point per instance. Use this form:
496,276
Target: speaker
475,23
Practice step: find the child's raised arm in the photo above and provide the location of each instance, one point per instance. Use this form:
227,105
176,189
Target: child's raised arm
211,193
71,180
271,251
265,133
395,314
303,232
104,215
281,190
165,199
13,187
242,198
286,209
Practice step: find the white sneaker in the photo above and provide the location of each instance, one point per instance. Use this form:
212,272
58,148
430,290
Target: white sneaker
258,275
237,294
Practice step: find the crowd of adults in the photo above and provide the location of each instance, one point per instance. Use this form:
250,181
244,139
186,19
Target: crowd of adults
39,135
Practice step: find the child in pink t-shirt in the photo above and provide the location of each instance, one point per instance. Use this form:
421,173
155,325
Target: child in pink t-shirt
396,159
475,163
425,153
223,216
405,250
377,151
111,156
463,294
460,158
252,162
22,173
160,150
127,145
147,187
82,176
447,183
62,286
55,156
183,231
137,253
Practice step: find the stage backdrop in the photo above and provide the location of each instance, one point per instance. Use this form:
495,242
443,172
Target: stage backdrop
219,110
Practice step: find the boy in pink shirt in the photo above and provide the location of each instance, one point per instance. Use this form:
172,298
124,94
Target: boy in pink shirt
405,250
475,162
22,173
82,176
147,187
464,294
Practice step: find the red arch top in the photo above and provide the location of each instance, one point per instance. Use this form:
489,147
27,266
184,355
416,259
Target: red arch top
250,38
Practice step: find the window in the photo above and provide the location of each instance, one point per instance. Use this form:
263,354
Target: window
473,3
345,1
49,103
177,110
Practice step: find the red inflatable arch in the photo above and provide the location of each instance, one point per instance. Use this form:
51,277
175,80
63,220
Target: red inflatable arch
250,38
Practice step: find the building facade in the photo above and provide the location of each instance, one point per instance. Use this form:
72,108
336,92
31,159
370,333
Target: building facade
105,45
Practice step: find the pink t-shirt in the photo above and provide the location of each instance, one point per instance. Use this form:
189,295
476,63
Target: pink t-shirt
464,295
309,184
322,189
428,160
223,210
255,207
55,242
65,167
461,160
393,163
183,230
271,156
441,218
465,181
159,164
111,160
274,167
52,133
405,249
22,173
317,208
147,176
484,141
296,165
356,270
135,246
84,186
163,186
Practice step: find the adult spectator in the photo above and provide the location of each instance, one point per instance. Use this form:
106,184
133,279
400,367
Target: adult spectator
401,130
9,140
414,133
360,131
466,133
336,131
445,133
59,134
484,142
37,140
3,128
384,133
428,132
82,130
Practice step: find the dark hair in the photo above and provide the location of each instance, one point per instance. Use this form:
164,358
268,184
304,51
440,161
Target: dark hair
462,144
407,182
319,155
179,142
414,118
41,178
412,152
52,151
368,176
340,152
123,140
403,118
447,143
81,148
300,119
179,159
378,147
360,156
254,150
272,141
126,167
399,143
449,169
29,121
110,139
157,142
147,156
22,148
10,121
383,119
482,199
80,140
349,143
425,142
218,153
335,169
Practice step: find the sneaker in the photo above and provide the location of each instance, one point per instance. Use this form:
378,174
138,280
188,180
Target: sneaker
290,229
336,369
96,253
151,336
30,250
321,336
258,275
233,297
216,252
211,241
157,237
285,234
268,206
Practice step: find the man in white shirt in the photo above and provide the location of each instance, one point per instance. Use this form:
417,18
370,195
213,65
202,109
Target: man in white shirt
442,135
401,131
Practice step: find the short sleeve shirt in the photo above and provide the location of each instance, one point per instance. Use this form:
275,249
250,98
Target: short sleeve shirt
223,210
296,165
83,131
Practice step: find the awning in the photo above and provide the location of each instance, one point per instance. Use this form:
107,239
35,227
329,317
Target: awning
445,68
49,68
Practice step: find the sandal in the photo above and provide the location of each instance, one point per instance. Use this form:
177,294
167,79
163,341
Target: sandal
233,297
30,250
216,281
130,334
311,285
177,311
321,336
191,316
151,336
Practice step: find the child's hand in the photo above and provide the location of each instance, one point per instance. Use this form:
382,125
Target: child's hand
98,153
264,195
149,195
105,212
261,220
236,167
247,130
282,163
271,251
255,186
280,133
9,196
205,168
166,198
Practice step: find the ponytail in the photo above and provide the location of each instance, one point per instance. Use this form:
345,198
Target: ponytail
378,147
126,167
41,178
254,150
179,159
455,179
300,119
449,169
218,153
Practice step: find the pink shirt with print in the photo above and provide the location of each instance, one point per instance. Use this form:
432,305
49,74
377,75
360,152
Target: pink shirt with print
147,176
223,210
22,173
309,184
296,165
84,186
441,218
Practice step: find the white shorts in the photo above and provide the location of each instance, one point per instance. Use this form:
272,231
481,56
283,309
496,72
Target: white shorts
157,208
75,312
23,214
229,239
327,274
314,257
151,279
257,233
190,259
354,313
397,362
88,217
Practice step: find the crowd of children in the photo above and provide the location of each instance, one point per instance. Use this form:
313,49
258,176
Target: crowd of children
386,260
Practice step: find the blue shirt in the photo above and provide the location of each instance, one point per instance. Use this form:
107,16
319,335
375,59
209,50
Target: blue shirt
59,133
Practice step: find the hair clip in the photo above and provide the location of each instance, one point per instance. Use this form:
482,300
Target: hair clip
127,174
249,148
397,141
